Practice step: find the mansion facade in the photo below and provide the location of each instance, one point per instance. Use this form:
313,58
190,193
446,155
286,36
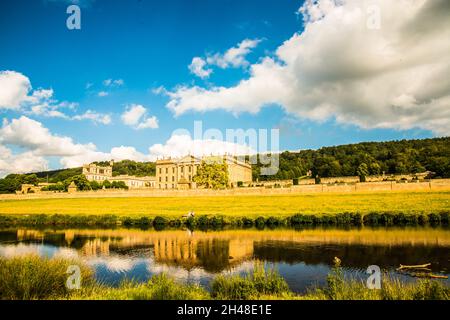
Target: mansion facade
178,173
94,172
172,173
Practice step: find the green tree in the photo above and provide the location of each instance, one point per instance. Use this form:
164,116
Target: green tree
212,175
31,179
362,172
95,185
81,182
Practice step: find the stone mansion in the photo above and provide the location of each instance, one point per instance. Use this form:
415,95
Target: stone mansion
178,173
98,173
171,173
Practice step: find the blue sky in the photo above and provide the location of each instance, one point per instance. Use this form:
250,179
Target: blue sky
145,45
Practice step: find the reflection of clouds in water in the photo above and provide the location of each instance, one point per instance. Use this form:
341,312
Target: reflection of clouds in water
194,274
20,249
114,263
66,253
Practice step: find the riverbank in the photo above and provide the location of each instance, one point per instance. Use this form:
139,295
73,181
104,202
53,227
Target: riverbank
345,219
31,277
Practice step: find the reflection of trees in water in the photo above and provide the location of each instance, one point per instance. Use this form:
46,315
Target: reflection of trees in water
213,254
357,256
8,236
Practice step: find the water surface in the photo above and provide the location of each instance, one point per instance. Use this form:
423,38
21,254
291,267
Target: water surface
302,257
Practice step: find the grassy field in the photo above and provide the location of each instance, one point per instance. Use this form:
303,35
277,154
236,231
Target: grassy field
244,205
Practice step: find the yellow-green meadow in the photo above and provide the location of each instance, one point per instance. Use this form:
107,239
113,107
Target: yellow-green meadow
241,205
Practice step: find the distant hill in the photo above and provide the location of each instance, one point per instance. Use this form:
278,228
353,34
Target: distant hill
392,157
127,167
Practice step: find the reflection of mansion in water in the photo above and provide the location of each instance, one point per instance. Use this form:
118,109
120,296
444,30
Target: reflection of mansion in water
180,249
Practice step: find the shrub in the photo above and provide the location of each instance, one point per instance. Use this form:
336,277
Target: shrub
301,219
434,218
445,217
144,221
202,221
247,222
160,221
371,218
260,222
423,219
273,221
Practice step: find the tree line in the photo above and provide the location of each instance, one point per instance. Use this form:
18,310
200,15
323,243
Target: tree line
366,158
370,158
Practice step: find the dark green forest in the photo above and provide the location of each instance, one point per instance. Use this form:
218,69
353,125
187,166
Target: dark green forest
393,157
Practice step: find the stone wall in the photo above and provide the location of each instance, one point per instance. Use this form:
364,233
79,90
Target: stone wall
386,186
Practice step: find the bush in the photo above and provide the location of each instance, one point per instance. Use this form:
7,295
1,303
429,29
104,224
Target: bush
160,221
299,219
371,219
260,222
202,221
273,221
445,217
144,221
247,222
434,218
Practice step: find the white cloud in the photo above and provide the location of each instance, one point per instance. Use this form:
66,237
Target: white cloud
113,82
233,57
182,144
197,67
135,115
38,143
14,88
94,117
32,135
20,163
148,123
103,94
16,93
128,153
338,68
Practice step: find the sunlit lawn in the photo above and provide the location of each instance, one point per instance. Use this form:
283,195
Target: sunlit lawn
246,205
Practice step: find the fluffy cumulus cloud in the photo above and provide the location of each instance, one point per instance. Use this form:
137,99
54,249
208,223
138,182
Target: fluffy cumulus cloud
16,93
377,64
136,116
198,67
19,163
37,144
94,117
182,144
234,57
14,88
